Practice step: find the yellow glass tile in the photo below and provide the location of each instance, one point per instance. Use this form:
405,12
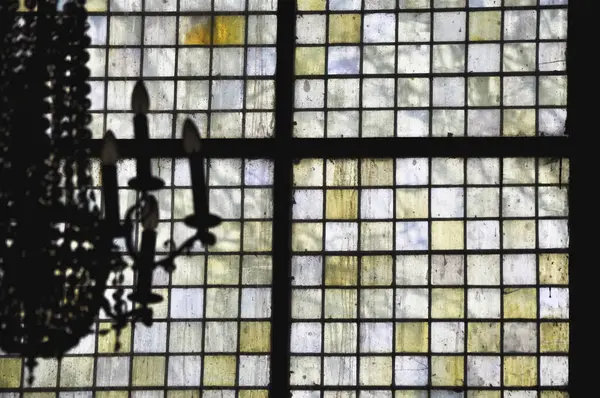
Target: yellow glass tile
308,173
257,270
227,30
378,172
554,268
376,270
483,394
554,394
253,394
447,235
342,172
219,370
310,60
520,371
106,343
412,337
376,236
552,171
112,394
341,270
148,371
484,25
223,270
447,303
519,122
341,204
228,237
40,395
483,337
258,236
183,394
77,372
255,336
376,371
344,28
412,203
520,303
307,236
311,5
340,303
484,91
10,372
518,234
447,371
554,337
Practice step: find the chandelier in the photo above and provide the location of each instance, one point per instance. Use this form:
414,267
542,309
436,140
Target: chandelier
57,249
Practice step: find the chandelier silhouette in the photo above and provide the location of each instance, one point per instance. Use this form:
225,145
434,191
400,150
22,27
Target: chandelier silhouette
57,250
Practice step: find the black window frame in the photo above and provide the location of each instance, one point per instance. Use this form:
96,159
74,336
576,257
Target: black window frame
285,150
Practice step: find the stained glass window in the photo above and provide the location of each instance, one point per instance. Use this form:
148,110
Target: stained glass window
394,178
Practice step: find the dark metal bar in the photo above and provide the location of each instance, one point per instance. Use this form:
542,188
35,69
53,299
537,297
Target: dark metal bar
282,204
352,147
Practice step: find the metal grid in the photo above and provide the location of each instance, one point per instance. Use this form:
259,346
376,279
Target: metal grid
277,120
423,275
430,68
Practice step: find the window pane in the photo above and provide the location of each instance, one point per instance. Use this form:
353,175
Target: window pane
430,68
442,272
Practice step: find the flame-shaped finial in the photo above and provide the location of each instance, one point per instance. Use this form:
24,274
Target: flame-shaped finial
191,137
109,154
140,101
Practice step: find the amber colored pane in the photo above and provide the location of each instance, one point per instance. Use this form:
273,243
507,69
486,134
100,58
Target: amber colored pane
379,172
255,336
253,394
219,370
447,371
258,235
148,371
112,394
447,235
554,394
310,60
311,5
344,28
223,270
183,394
227,30
308,172
412,203
10,372
376,270
520,303
342,172
554,337
412,337
519,122
447,303
483,337
520,371
77,371
341,204
484,25
341,270
106,343
307,236
483,394
554,268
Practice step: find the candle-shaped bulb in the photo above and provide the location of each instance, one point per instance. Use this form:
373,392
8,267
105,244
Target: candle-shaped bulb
140,101
191,137
109,155
150,214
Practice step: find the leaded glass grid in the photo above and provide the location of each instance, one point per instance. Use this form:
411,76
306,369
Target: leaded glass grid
394,177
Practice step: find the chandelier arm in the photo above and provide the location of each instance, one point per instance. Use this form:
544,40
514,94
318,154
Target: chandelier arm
128,228
167,262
